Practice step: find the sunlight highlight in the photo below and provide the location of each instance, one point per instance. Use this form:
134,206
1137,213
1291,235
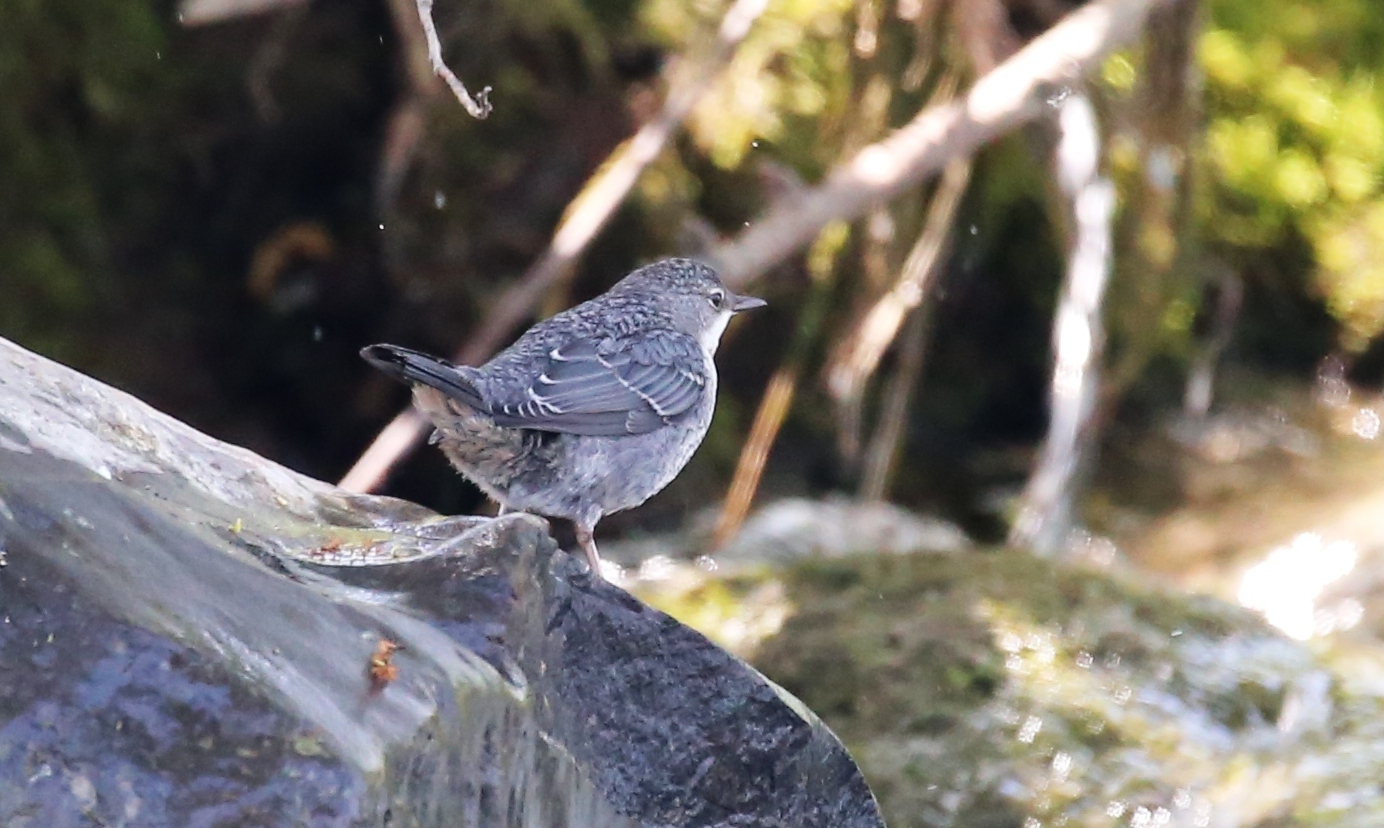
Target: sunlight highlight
1285,585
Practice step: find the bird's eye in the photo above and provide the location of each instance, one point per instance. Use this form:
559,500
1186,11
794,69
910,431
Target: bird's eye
718,299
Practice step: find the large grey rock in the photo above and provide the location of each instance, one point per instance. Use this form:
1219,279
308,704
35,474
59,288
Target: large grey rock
176,651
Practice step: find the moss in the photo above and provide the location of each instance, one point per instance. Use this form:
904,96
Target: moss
992,687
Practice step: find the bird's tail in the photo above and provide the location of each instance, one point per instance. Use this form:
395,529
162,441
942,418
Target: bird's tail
415,366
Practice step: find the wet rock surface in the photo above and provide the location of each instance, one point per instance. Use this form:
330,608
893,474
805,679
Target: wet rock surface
191,635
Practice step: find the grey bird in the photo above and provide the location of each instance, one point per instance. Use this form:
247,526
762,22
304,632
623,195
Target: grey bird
590,412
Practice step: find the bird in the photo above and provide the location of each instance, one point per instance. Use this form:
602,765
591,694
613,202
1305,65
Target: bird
591,411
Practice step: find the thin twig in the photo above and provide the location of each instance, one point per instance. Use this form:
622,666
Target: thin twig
773,409
858,356
479,106
883,453
878,273
1201,374
584,218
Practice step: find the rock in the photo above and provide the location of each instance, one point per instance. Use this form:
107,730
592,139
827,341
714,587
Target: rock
796,528
192,635
791,529
993,688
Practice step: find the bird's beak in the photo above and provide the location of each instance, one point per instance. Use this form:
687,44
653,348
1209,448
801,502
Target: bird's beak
744,303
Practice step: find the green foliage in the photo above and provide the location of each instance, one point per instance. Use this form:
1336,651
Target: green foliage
793,68
1295,141
69,68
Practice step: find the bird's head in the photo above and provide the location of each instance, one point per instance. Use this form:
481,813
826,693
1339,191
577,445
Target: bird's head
692,294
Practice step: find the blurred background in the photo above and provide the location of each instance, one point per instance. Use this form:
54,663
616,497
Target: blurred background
1141,330
215,205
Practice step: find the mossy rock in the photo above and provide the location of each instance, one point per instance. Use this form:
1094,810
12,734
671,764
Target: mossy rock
998,689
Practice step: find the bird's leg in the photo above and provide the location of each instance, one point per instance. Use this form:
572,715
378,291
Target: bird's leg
587,542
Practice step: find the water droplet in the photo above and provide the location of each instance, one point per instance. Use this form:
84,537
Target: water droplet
316,333
381,225
439,199
1032,725
755,144
974,230
1365,424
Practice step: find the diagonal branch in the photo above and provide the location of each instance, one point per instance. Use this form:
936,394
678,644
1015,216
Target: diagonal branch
1023,88
858,355
882,455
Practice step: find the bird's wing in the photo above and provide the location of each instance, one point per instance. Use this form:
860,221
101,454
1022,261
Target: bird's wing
612,387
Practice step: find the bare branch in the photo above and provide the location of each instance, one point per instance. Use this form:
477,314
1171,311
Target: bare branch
1201,374
584,218
773,410
269,58
1045,514
883,454
858,355
1023,88
774,407
477,107
205,12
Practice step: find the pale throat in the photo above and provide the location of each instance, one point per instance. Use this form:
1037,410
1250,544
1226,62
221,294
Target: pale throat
711,337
